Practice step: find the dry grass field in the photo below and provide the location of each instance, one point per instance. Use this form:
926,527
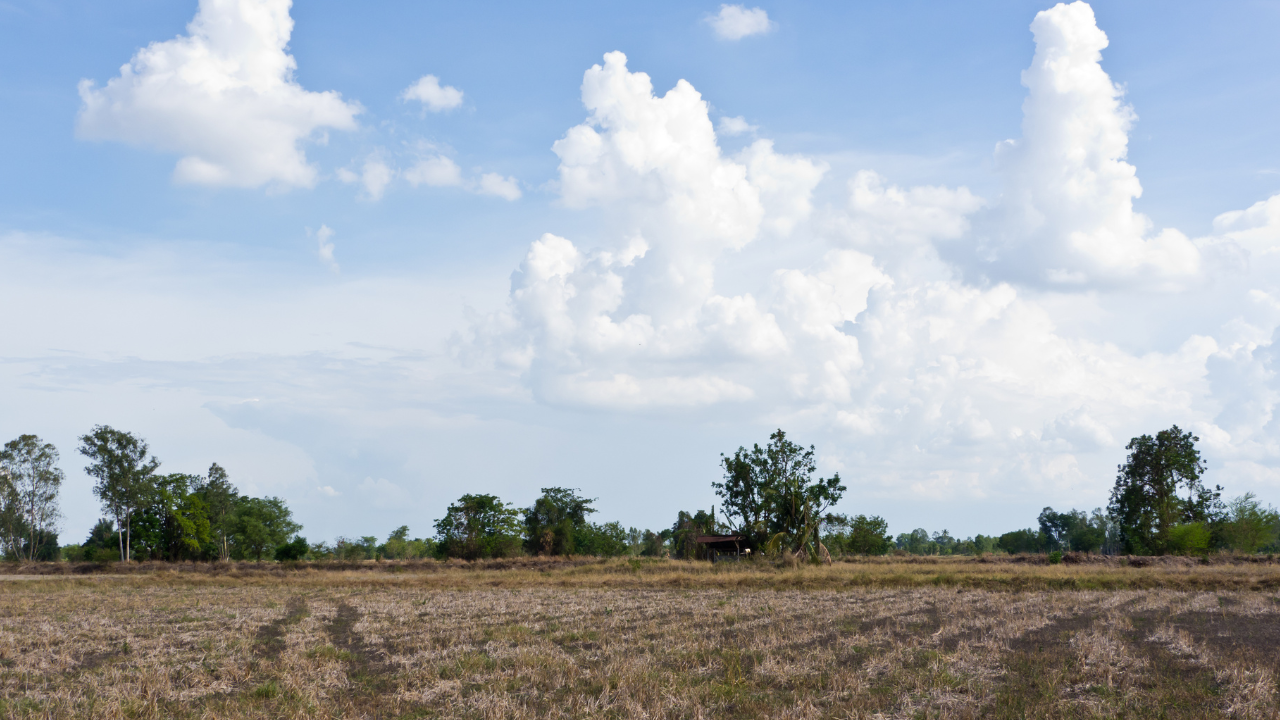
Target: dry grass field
654,639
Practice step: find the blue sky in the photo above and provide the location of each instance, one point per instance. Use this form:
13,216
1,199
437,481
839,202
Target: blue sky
966,335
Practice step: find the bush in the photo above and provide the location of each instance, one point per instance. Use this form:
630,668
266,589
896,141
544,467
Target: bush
1055,557
293,550
1189,539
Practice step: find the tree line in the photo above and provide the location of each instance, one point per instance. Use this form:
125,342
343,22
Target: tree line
770,503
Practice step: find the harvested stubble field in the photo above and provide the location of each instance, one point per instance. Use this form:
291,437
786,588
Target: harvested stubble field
657,639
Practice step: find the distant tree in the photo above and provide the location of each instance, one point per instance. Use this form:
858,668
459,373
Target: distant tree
173,524
293,550
30,479
259,526
1144,501
860,535
1023,541
478,526
1071,530
219,497
100,546
553,519
687,529
654,544
123,476
397,545
1249,526
603,540
916,542
769,494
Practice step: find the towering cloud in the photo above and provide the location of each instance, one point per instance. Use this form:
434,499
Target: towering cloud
924,327
1066,218
223,97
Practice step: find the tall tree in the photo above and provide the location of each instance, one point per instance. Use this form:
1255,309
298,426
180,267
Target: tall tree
553,519
1145,501
173,525
260,525
770,493
123,476
31,480
478,526
219,497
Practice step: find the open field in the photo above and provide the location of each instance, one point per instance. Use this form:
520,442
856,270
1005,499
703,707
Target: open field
658,639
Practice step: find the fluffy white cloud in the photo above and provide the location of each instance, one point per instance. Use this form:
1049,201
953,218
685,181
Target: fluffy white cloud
375,175
494,184
1066,218
433,96
940,381
735,22
736,126
435,171
223,97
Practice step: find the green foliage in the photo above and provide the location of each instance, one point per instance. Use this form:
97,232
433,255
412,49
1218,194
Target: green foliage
1249,527
769,493
219,497
259,525
101,544
1023,541
685,531
1073,530
478,526
551,523
171,523
29,483
860,535
606,540
1188,539
1055,557
123,476
293,550
1144,501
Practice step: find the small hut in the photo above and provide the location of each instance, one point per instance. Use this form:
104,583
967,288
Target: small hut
723,547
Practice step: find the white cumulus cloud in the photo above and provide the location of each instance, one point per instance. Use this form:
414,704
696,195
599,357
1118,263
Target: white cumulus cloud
1067,217
433,96
435,171
494,184
924,327
223,97
735,22
375,175
731,126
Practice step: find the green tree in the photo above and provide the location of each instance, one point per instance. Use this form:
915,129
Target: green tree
397,545
687,528
769,494
29,480
293,550
1023,541
553,519
1071,530
603,540
173,523
479,526
860,535
100,545
123,476
1249,526
1145,501
219,497
259,526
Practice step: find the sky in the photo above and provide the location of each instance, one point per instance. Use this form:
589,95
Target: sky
371,257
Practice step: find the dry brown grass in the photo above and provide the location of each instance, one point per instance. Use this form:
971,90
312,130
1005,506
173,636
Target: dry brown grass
653,640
